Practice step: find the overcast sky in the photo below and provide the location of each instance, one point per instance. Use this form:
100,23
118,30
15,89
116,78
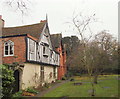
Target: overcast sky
61,11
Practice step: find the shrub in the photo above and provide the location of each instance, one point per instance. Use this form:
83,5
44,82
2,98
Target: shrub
72,79
63,78
47,85
18,94
8,79
31,90
58,81
68,75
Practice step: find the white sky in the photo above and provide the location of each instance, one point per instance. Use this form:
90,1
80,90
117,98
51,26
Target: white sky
60,11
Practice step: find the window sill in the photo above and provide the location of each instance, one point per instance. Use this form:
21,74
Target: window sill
8,55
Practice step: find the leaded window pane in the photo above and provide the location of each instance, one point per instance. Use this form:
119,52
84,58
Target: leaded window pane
43,49
9,45
11,49
6,50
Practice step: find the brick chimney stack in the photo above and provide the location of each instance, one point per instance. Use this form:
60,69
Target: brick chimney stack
43,21
1,26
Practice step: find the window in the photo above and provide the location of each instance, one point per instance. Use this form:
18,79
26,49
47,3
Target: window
42,74
8,48
43,49
32,46
54,72
32,49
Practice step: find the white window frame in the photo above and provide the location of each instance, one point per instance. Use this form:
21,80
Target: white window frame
9,43
32,46
45,52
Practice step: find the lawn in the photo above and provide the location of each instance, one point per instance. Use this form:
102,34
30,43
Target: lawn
107,87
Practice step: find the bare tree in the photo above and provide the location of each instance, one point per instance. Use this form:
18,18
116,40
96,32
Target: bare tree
82,24
18,5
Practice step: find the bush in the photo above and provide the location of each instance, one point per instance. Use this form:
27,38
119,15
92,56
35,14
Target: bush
31,90
47,85
63,78
58,81
72,79
8,79
18,94
68,75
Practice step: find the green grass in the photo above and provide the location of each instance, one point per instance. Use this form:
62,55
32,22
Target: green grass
107,87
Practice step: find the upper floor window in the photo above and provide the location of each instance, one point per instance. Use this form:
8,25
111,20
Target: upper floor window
32,46
45,51
9,48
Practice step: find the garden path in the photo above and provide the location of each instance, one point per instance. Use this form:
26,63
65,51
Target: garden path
41,94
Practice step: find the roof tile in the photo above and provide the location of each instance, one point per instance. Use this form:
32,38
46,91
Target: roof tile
34,30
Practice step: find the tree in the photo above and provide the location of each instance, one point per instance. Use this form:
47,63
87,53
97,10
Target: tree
72,44
7,81
19,5
96,55
81,24
107,53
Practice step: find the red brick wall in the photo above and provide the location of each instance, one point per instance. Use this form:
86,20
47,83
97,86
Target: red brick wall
19,50
64,63
62,67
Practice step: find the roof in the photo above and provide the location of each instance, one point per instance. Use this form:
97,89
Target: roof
56,40
34,30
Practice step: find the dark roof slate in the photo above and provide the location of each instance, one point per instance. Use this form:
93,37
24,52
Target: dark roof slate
33,30
56,40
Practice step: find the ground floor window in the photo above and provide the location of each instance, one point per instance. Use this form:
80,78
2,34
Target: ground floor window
54,72
42,73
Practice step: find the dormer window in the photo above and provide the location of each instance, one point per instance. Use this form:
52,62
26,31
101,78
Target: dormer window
9,48
45,51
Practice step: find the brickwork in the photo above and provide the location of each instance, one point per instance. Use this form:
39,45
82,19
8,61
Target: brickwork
62,67
19,50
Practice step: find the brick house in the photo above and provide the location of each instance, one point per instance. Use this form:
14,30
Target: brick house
31,47
60,48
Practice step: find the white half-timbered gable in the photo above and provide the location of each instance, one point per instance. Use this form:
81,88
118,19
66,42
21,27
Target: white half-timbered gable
41,50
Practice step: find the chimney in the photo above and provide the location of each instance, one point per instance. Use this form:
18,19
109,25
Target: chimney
1,22
43,21
1,25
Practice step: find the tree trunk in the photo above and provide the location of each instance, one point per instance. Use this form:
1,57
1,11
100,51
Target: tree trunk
93,90
95,79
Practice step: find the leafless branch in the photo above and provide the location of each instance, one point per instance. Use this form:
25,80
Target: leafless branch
20,5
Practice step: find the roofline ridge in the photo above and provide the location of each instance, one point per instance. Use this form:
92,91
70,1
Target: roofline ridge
21,26
57,34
